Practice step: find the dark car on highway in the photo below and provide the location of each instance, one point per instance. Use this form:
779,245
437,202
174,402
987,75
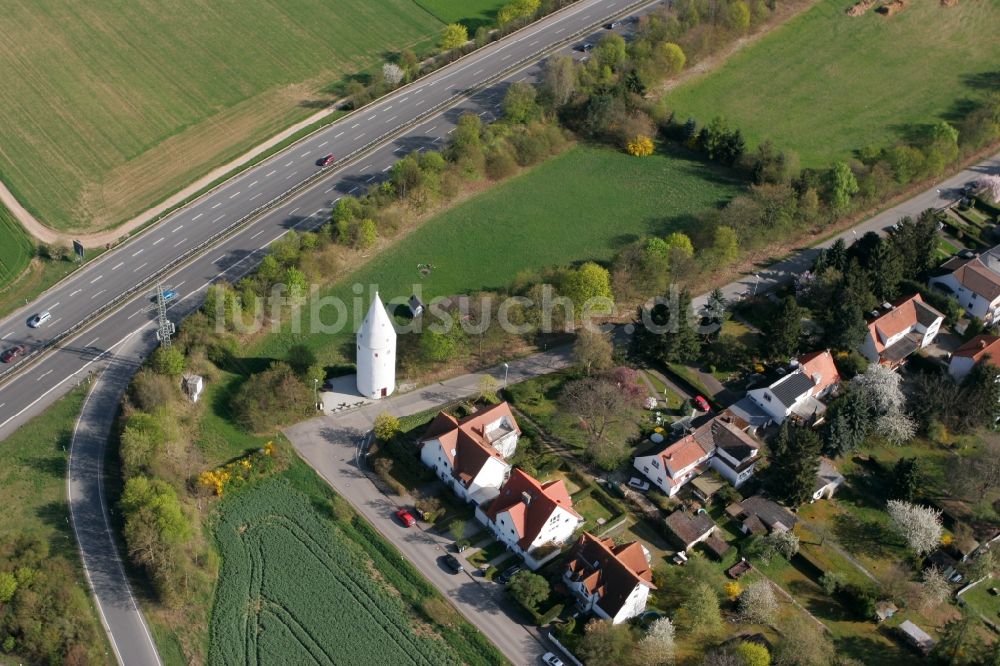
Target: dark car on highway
11,354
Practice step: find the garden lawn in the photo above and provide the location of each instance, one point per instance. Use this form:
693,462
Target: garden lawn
471,13
110,107
584,204
298,587
16,248
825,84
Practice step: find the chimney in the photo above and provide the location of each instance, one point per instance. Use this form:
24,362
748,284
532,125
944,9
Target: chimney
526,498
817,378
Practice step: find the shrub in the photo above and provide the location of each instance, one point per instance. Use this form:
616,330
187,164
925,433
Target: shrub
168,361
386,426
270,398
639,146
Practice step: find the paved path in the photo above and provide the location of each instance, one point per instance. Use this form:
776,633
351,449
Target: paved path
330,445
942,194
130,637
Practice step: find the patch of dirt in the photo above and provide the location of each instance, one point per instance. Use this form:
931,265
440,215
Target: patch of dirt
891,8
859,8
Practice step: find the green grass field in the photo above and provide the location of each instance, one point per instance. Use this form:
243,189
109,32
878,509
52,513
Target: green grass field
825,84
471,13
16,248
109,107
594,200
297,588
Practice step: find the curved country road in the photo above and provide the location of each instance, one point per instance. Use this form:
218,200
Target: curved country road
123,622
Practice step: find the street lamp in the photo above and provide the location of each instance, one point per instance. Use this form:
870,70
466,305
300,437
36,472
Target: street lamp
505,369
757,282
316,393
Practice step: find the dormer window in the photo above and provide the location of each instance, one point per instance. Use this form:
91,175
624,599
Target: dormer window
655,463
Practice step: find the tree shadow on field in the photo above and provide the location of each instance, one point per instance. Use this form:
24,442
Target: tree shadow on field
988,81
663,226
54,466
863,537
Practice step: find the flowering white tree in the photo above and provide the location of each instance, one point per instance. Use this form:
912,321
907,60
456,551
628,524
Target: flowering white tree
657,646
392,74
785,542
650,402
935,588
919,525
758,605
897,428
880,388
989,187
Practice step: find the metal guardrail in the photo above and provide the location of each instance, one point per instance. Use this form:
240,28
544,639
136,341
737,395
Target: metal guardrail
348,160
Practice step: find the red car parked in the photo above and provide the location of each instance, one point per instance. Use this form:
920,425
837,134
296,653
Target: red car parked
701,403
11,354
406,518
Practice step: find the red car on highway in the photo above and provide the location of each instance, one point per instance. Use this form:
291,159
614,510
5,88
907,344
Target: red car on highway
406,518
11,354
326,161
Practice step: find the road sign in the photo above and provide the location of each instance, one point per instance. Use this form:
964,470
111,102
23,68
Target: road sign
78,249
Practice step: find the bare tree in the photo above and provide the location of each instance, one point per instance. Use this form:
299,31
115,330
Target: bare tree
935,588
989,187
979,473
392,74
919,525
592,350
657,647
559,79
758,605
602,408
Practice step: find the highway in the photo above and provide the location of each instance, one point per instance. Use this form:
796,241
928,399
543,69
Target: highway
419,116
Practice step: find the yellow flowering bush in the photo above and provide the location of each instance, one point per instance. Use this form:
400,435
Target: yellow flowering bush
640,146
233,474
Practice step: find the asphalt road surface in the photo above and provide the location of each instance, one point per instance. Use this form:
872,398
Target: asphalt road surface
400,115
330,444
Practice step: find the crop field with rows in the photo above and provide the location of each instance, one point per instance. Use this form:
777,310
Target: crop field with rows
295,589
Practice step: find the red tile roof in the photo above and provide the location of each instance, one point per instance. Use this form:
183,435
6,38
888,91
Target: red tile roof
610,571
904,315
981,346
820,364
979,279
464,442
529,517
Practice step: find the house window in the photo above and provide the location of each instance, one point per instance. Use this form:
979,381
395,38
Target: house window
655,463
767,397
645,469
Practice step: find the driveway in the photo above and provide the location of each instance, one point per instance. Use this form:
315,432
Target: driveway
331,445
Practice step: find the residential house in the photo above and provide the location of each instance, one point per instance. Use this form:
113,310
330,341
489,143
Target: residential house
916,637
799,392
972,352
690,530
721,443
611,581
975,281
898,330
469,455
828,479
532,518
759,515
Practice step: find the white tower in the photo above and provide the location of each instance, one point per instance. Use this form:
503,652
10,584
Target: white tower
376,353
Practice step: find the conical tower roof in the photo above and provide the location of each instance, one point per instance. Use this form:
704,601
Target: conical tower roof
376,330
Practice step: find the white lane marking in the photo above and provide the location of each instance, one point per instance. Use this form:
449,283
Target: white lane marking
404,99
451,130
216,205
431,130
386,109
158,240
290,175
56,321
179,284
337,199
53,307
318,211
196,216
418,91
359,136
234,195
138,253
293,210
42,376
483,113
75,293
391,119
323,144
256,195
387,168
257,234
219,259
98,294
2,404
436,139
365,168
420,102
93,281
510,54
181,226
134,314
355,125
305,154
181,242
118,265
533,43
477,72
327,191
92,341
139,268
218,218
269,173
354,189
337,135
372,178
289,163
252,184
